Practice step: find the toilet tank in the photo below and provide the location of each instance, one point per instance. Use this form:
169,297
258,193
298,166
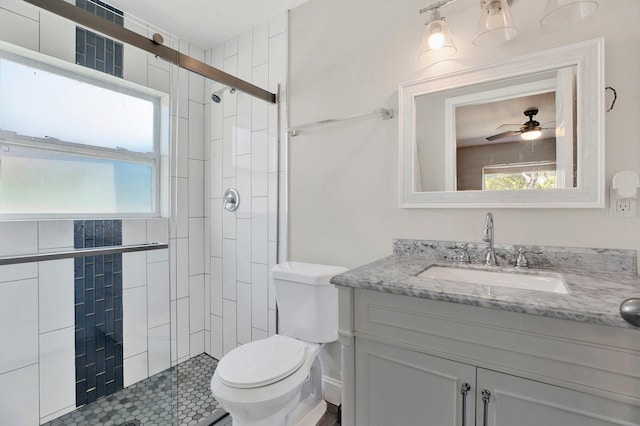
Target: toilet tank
307,301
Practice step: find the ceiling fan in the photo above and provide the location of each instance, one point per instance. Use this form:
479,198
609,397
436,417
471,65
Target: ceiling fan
529,131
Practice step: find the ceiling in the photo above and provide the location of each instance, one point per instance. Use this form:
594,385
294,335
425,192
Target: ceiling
205,23
476,122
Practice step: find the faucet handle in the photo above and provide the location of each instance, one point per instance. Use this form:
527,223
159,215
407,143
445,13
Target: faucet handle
521,261
464,255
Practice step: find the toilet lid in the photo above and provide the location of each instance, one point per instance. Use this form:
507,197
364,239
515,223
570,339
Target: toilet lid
261,363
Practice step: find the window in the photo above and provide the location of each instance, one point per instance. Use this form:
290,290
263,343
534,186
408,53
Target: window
76,143
505,177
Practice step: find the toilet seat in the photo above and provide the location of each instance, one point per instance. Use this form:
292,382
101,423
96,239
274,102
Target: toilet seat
261,363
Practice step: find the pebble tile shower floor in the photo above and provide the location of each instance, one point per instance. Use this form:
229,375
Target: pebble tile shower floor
153,401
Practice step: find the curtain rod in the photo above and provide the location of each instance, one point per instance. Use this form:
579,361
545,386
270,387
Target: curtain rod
153,46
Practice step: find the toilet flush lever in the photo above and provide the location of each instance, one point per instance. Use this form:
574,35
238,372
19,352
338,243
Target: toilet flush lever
231,200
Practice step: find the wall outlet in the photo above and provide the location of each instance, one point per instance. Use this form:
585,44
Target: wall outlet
623,206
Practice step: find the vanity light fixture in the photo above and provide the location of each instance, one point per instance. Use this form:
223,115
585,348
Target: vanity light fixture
437,43
559,13
496,24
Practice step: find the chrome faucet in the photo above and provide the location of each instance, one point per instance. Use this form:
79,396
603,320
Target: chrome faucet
487,236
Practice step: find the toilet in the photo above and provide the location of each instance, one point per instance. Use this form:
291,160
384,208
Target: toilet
278,381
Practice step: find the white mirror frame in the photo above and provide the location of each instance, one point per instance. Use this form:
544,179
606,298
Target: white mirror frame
588,57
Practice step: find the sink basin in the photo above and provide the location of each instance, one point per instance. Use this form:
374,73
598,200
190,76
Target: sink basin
539,281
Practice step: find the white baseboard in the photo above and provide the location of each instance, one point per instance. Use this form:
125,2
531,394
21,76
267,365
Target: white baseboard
332,390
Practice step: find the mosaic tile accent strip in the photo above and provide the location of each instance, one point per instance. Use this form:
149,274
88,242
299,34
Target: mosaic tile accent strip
98,312
97,52
102,10
177,396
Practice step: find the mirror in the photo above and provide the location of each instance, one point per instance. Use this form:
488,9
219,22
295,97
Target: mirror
526,132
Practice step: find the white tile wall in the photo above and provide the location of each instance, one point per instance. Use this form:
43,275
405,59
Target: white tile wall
259,296
18,324
259,230
196,128
135,369
134,231
261,44
216,286
134,321
19,402
229,269
196,343
196,246
182,322
55,234
134,269
259,116
182,267
56,295
18,237
245,55
244,154
196,303
243,266
243,326
229,146
57,370
259,159
228,325
196,188
158,294
159,349
217,349
182,208
183,147
244,186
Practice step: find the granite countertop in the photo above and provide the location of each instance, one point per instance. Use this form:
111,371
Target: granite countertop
593,296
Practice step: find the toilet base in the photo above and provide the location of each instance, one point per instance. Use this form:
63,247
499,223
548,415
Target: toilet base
313,417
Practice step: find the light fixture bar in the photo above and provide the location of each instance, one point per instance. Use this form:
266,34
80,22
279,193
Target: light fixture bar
89,20
436,5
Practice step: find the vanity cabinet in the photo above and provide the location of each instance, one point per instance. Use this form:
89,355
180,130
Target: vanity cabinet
396,386
406,360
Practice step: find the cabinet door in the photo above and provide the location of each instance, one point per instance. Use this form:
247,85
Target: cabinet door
517,401
396,386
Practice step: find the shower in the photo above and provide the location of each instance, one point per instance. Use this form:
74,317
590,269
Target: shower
217,95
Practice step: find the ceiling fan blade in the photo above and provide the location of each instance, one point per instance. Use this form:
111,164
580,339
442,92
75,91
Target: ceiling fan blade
503,135
504,126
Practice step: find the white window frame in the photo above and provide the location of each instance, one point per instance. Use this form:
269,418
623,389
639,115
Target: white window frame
161,106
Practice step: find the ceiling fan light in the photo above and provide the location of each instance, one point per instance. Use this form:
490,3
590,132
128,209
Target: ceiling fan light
530,135
437,43
560,13
496,24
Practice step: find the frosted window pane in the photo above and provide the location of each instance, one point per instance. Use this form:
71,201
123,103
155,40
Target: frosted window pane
38,103
40,181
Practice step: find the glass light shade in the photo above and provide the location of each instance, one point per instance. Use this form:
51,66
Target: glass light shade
496,24
437,43
566,12
531,134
